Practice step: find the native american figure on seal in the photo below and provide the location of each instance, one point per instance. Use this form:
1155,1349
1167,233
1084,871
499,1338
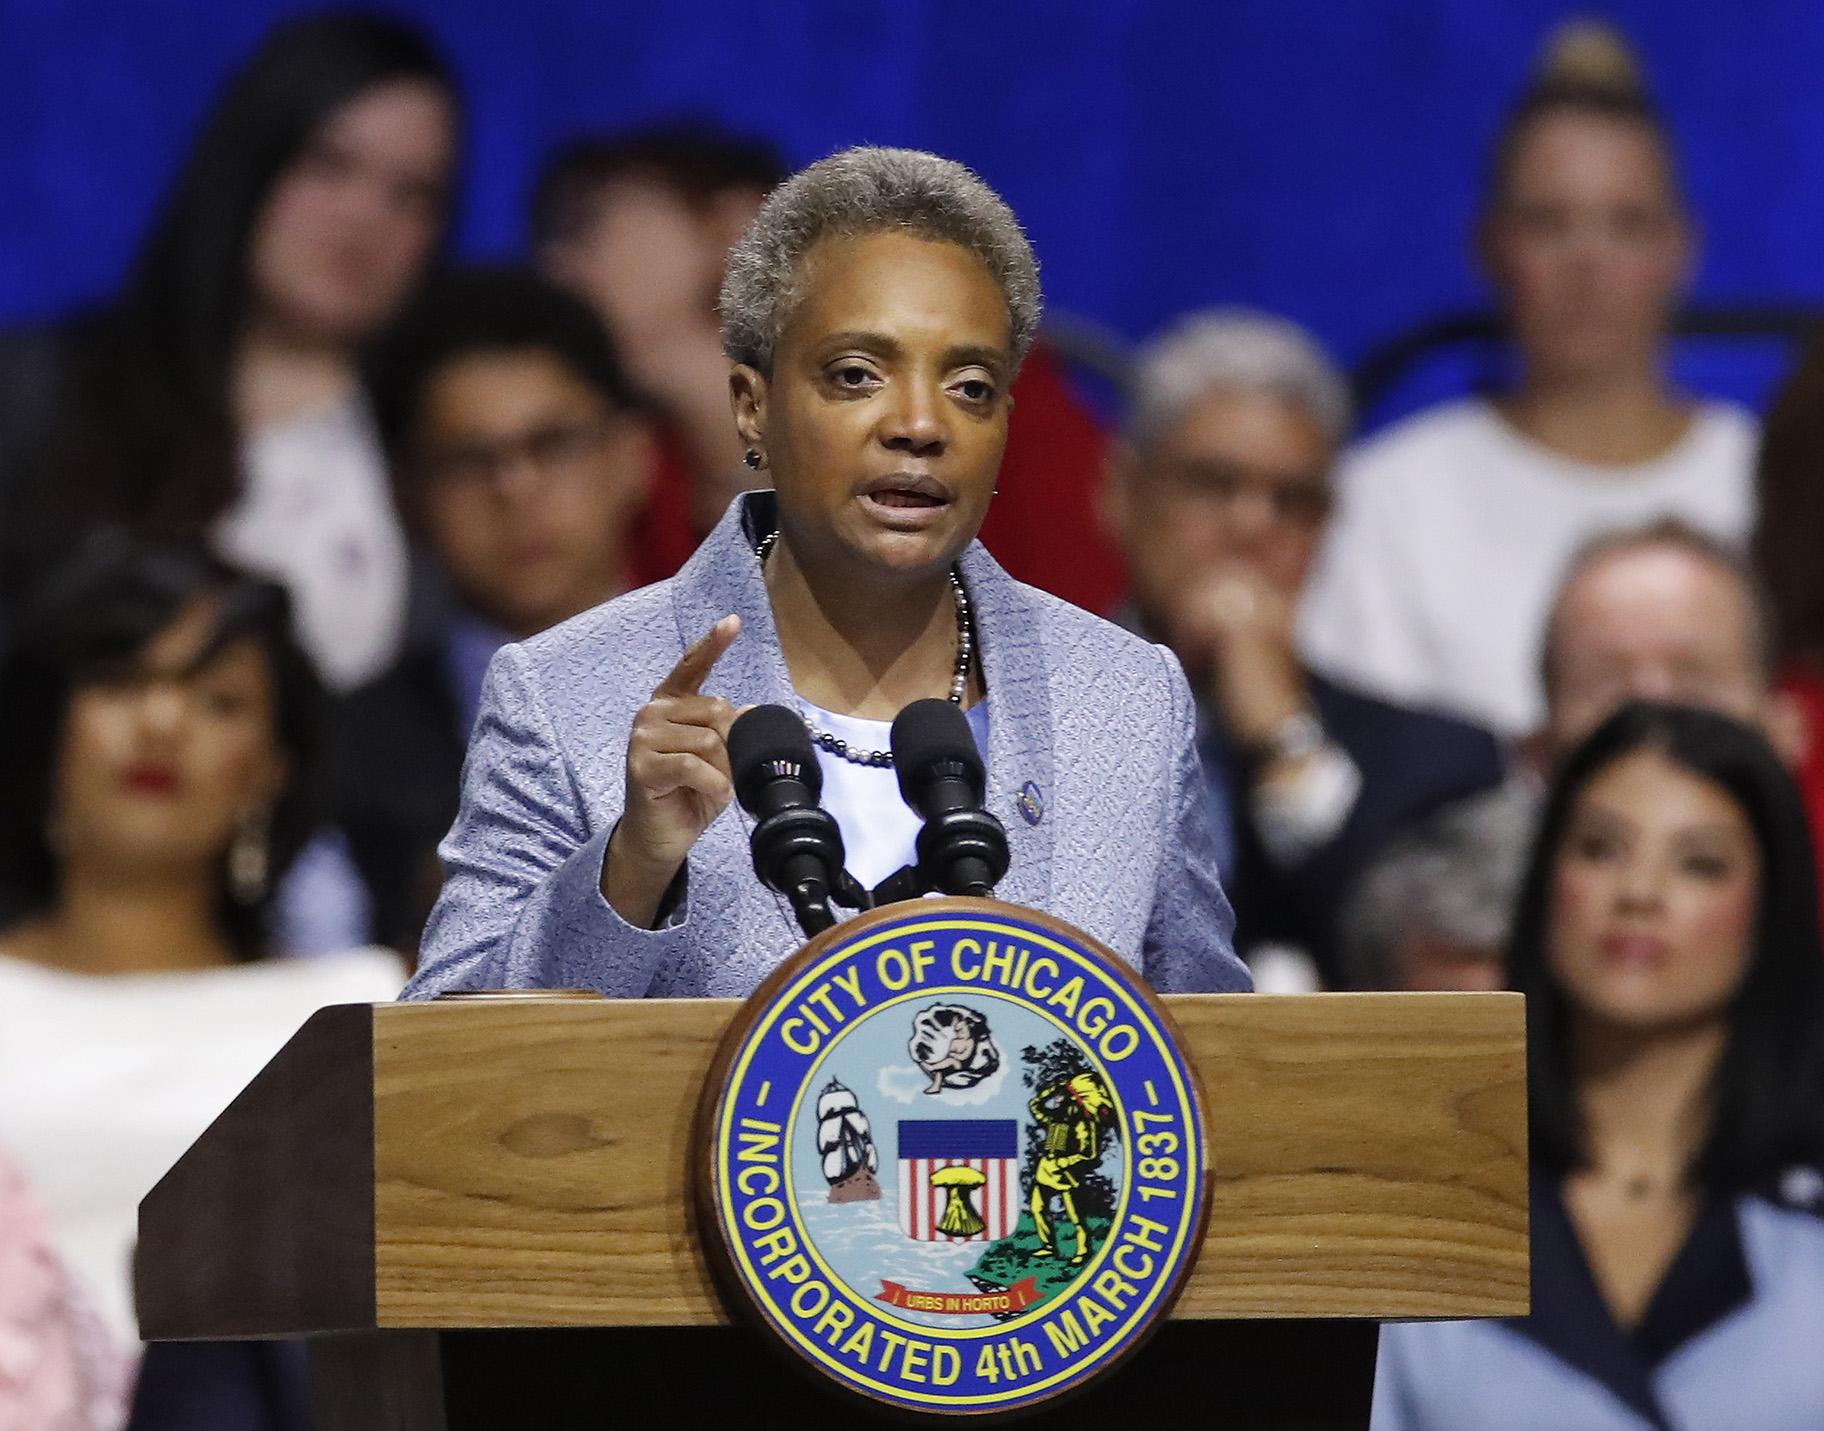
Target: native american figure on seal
951,1045
1073,1112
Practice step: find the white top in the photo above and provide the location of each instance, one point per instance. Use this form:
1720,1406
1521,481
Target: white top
879,829
318,515
106,1080
1452,532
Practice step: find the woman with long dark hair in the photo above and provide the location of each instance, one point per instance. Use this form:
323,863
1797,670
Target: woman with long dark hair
1588,243
1667,942
158,749
220,394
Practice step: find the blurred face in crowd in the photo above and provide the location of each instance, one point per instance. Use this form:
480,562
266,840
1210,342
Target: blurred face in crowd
650,259
526,479
349,225
1243,479
164,760
1431,963
1652,623
1655,897
885,416
1587,244
650,262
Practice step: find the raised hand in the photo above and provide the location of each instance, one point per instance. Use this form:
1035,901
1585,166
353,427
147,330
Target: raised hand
678,780
1235,625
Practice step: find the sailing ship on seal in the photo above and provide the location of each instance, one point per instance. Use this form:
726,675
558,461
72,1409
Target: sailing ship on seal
847,1146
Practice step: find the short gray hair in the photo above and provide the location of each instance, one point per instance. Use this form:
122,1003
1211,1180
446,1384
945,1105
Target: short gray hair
1672,534
1455,878
1236,350
863,191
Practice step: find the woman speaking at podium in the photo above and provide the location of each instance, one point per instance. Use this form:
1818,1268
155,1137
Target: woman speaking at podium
875,314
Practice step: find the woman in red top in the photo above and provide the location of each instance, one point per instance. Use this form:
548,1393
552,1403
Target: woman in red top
1788,538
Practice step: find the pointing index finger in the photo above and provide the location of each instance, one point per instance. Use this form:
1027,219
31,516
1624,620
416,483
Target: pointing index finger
687,676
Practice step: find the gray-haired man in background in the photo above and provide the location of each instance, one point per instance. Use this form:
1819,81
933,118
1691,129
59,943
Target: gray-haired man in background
1660,612
1218,493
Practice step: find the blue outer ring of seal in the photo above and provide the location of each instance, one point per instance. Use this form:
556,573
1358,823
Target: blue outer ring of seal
764,1076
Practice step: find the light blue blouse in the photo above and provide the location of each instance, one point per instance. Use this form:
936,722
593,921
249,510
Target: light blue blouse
1732,1341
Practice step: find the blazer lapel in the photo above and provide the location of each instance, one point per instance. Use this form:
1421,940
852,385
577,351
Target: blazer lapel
724,577
1021,784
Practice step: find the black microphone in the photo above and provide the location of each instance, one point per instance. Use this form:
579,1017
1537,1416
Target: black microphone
962,848
796,845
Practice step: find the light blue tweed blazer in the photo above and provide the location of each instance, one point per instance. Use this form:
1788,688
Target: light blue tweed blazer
1097,722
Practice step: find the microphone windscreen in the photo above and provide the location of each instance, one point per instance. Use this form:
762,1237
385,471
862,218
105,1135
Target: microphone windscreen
934,734
767,743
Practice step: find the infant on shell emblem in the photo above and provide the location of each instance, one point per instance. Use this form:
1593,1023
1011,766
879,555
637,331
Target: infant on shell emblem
976,1216
953,1045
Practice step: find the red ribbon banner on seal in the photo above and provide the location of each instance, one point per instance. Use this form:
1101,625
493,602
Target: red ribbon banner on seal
1017,1298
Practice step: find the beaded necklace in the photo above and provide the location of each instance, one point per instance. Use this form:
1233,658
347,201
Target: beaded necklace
959,682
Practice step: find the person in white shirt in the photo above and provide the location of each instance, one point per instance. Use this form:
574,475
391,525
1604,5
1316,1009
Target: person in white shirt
220,394
1453,526
158,745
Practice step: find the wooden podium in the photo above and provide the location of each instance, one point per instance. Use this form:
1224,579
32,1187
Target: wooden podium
453,1201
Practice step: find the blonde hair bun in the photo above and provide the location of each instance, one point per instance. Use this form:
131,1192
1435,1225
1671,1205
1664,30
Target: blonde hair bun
1591,55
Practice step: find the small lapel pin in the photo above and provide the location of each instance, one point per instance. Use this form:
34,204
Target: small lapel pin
1030,804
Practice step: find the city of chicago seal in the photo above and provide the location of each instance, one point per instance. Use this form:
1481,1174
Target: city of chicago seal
954,1156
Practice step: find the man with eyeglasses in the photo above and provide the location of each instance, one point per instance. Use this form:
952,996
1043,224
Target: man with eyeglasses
521,457
1218,492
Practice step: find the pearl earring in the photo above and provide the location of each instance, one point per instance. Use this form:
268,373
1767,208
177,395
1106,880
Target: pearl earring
250,860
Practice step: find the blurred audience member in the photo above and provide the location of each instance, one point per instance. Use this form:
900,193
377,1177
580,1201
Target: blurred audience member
1454,525
641,227
1660,612
1667,943
157,743
1789,554
1218,493
220,394
59,1370
1042,526
1432,913
521,459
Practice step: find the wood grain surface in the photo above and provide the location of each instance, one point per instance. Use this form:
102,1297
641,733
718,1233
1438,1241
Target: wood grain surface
1369,1152
531,1157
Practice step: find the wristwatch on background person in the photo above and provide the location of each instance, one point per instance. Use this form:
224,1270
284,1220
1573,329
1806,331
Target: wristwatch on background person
1309,797
1294,738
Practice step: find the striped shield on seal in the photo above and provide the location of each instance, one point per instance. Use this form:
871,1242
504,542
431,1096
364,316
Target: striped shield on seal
959,1179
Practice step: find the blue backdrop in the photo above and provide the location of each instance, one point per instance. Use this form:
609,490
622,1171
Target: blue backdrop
1315,157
